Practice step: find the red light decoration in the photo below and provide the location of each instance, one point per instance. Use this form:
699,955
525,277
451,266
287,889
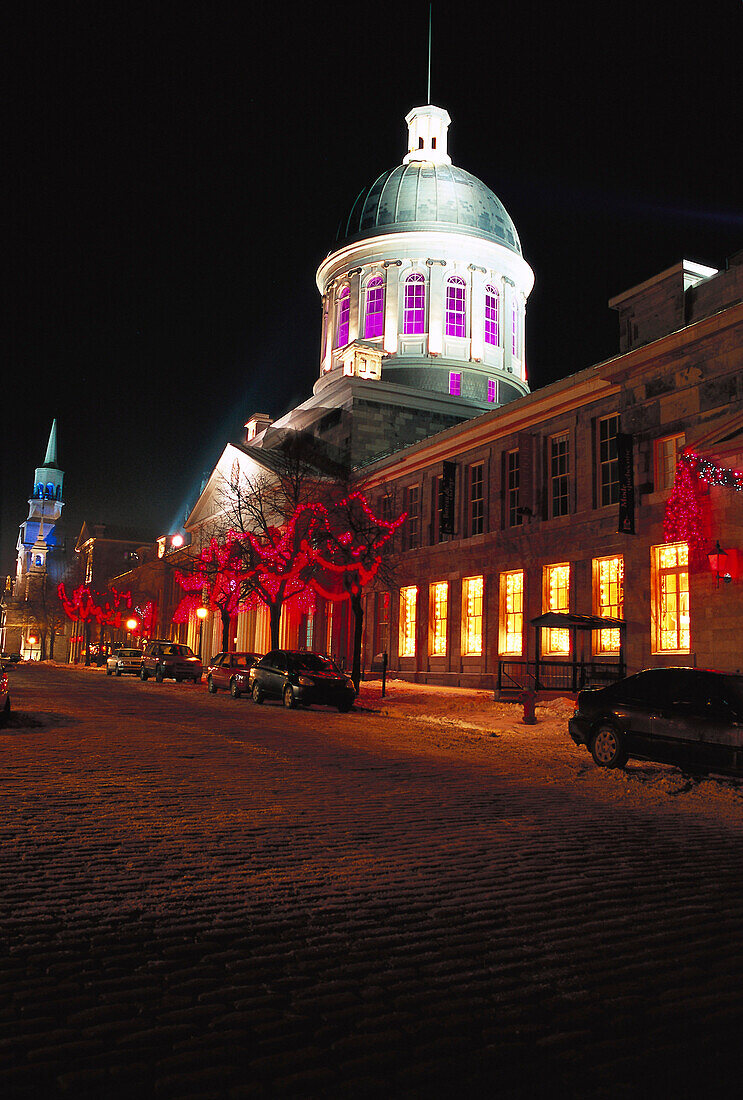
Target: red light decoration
312,553
105,608
687,511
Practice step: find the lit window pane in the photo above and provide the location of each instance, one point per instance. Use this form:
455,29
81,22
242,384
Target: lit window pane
512,613
439,613
472,592
456,307
408,601
670,594
344,313
374,319
414,311
492,316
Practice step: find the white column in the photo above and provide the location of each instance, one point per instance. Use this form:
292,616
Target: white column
391,307
477,313
435,303
354,283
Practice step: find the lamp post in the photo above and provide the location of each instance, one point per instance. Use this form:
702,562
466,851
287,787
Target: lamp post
131,624
201,614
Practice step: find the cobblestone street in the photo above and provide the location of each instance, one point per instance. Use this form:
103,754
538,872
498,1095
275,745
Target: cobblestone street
205,898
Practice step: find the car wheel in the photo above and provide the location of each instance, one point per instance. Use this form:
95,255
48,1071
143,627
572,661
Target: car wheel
159,674
211,685
288,697
607,747
235,689
197,679
118,671
108,671
257,693
5,714
345,707
143,674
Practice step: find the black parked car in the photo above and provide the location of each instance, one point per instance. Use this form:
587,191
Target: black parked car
689,717
301,678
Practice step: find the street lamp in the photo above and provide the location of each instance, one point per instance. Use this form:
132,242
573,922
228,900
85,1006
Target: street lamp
131,624
201,614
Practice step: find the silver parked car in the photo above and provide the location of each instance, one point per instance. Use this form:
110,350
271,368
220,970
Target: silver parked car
122,661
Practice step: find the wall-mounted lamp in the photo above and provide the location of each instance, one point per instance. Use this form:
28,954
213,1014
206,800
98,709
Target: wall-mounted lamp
719,566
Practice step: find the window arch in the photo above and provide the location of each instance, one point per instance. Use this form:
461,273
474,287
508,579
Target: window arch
492,316
414,311
374,312
344,313
456,307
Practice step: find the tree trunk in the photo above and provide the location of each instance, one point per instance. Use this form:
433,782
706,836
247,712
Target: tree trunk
275,615
52,636
358,625
225,617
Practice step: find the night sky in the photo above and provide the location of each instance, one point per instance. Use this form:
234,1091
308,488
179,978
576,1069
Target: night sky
177,174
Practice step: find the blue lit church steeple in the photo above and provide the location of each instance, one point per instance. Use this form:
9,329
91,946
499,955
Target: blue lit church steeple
38,533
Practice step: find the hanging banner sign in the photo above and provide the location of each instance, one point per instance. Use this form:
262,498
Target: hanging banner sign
446,498
626,457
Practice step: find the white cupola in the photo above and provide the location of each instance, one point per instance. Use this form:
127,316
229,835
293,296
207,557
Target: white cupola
427,135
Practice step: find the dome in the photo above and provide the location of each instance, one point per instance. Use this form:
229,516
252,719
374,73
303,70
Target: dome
424,195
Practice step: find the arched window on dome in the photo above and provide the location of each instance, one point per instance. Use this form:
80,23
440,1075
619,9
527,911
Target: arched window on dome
344,313
492,316
414,311
374,312
456,307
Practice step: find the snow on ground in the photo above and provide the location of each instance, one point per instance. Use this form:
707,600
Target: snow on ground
470,725
467,722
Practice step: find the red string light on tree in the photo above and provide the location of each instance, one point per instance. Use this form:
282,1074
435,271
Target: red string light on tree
105,608
687,510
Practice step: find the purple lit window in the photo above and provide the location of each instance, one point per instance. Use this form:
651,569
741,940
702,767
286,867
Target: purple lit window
515,329
455,383
456,315
492,316
374,319
491,390
414,320
344,311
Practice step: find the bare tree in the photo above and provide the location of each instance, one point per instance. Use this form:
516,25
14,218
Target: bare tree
271,516
355,549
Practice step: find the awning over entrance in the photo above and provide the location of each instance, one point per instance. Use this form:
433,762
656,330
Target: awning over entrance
566,620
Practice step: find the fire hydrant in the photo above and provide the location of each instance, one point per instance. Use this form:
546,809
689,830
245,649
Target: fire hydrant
529,699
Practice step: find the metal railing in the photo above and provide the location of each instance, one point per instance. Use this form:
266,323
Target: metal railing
546,675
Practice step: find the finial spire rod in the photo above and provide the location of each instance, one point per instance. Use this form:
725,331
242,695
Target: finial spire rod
430,19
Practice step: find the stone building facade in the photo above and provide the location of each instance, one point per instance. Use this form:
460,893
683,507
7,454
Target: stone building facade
536,518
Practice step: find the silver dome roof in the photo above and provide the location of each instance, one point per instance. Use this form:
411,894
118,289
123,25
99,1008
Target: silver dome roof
422,195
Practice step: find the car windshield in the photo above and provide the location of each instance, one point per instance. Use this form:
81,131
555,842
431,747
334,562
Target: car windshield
178,651
733,691
129,653
313,662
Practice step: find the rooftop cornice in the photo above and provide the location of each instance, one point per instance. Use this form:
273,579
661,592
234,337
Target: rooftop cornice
566,395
